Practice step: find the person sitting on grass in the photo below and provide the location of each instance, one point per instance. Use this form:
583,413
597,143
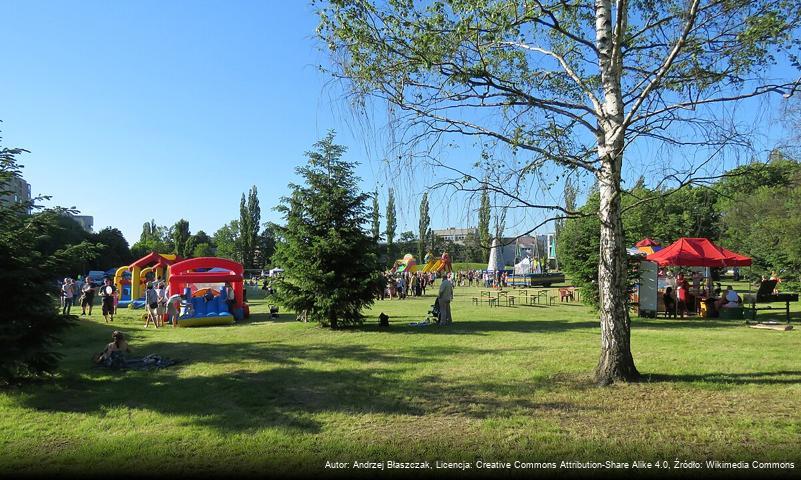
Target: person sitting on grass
729,300
114,353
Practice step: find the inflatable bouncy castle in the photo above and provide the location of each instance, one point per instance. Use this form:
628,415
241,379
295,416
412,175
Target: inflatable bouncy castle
405,264
438,264
204,282
131,280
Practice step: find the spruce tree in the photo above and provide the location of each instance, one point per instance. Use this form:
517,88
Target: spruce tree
30,323
425,220
331,270
392,224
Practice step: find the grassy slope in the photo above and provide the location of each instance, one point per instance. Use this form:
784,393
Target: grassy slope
502,383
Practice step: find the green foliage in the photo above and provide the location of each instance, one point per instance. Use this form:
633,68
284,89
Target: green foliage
227,241
115,251
30,325
199,238
202,250
265,247
375,216
663,215
760,216
424,224
154,238
484,225
472,251
249,223
180,237
392,224
67,238
331,263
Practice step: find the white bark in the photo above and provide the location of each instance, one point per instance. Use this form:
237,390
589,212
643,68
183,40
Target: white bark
616,362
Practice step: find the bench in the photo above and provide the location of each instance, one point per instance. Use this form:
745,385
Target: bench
510,300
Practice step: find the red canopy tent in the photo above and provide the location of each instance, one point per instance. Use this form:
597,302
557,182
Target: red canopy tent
697,252
646,242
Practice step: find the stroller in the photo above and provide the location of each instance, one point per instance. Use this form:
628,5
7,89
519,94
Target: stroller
433,314
431,319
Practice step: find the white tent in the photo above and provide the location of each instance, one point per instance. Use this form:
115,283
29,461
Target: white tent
496,257
523,267
275,271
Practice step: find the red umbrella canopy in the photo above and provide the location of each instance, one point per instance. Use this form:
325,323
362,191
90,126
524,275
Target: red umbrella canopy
697,252
646,242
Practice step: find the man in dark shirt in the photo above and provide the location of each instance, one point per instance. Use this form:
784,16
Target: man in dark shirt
107,293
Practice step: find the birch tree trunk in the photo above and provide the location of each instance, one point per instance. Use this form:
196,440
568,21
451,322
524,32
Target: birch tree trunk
616,362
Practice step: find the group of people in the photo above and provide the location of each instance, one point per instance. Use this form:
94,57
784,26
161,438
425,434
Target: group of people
405,284
157,302
682,297
467,278
83,293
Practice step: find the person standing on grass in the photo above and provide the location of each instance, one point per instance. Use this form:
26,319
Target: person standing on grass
444,298
173,309
230,296
151,305
87,297
161,293
66,296
683,295
107,293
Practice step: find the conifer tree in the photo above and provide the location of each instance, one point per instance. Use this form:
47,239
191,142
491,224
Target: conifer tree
330,262
30,324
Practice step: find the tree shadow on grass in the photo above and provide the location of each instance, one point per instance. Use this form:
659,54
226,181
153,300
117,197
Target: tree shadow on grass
286,387
670,324
781,377
482,327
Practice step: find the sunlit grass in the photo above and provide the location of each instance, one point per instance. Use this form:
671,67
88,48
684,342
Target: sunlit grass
501,383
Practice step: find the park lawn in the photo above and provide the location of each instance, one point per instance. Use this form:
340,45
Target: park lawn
507,383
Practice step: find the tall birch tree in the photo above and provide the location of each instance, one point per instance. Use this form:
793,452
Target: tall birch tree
567,84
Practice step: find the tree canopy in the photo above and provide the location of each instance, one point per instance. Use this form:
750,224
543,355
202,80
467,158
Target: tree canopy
330,261
565,85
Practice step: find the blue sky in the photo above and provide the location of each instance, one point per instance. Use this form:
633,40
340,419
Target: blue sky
173,109
139,110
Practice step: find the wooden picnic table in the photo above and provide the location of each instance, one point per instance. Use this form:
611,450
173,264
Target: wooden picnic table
496,297
539,294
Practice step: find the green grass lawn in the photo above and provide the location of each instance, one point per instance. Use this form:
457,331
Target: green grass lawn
507,383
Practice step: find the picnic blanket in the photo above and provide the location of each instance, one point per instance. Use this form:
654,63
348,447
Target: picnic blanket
117,361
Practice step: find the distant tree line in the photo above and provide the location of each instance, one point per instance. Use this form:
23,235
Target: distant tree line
752,209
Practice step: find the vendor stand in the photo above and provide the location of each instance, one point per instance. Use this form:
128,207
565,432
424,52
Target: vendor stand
700,254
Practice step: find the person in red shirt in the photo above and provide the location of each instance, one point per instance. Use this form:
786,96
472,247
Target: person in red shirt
682,293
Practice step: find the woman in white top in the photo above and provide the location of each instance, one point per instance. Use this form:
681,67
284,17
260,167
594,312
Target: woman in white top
66,296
